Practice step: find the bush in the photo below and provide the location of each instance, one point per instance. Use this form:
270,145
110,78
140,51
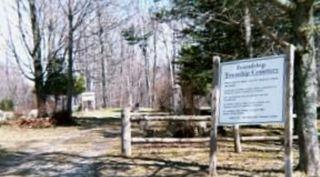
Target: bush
34,123
7,105
182,129
62,118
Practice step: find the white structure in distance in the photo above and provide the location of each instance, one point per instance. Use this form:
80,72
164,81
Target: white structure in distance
88,101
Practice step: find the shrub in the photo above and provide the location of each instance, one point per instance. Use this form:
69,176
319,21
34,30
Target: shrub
7,105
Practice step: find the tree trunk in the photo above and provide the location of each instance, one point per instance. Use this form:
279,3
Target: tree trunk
121,74
154,64
147,76
87,69
129,80
41,100
176,96
103,75
103,65
189,105
36,56
56,100
70,61
170,73
306,88
248,29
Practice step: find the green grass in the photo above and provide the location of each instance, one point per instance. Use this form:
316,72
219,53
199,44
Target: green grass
101,113
110,113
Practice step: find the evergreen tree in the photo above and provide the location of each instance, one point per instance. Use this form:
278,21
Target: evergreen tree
211,28
57,78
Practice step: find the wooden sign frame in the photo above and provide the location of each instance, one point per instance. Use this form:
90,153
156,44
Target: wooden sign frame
288,140
281,96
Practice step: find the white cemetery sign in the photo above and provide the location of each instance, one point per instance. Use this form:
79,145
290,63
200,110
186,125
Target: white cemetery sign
255,91
252,91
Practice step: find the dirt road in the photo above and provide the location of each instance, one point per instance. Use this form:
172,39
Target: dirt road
93,150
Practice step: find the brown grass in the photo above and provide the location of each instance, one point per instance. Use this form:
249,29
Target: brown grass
97,140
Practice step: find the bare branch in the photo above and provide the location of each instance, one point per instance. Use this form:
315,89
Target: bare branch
224,19
17,58
265,30
23,35
65,11
84,11
19,61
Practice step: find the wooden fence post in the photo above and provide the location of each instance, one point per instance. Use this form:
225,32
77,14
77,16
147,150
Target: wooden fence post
288,140
237,139
214,116
126,132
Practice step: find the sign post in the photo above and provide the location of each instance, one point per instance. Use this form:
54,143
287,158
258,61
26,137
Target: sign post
214,118
237,139
289,113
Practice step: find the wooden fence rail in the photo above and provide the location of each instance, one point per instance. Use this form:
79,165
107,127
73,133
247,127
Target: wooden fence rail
207,139
139,114
171,118
128,117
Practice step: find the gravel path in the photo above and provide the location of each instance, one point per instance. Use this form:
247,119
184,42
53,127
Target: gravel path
65,152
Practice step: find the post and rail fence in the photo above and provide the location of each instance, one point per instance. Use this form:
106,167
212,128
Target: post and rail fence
129,117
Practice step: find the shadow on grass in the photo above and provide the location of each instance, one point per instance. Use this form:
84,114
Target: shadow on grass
93,122
70,165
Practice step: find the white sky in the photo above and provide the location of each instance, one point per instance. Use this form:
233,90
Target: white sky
7,11
2,31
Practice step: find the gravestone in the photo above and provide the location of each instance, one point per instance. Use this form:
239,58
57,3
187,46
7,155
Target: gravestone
6,115
33,114
9,115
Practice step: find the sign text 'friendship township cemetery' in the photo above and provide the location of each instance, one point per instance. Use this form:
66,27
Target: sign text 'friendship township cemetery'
252,91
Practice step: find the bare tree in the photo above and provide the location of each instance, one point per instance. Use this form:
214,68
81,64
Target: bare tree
102,56
35,46
76,13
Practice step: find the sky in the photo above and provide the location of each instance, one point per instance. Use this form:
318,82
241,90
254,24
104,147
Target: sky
8,17
7,12
2,31
148,3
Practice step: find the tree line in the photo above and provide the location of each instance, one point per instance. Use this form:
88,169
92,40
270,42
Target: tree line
59,45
